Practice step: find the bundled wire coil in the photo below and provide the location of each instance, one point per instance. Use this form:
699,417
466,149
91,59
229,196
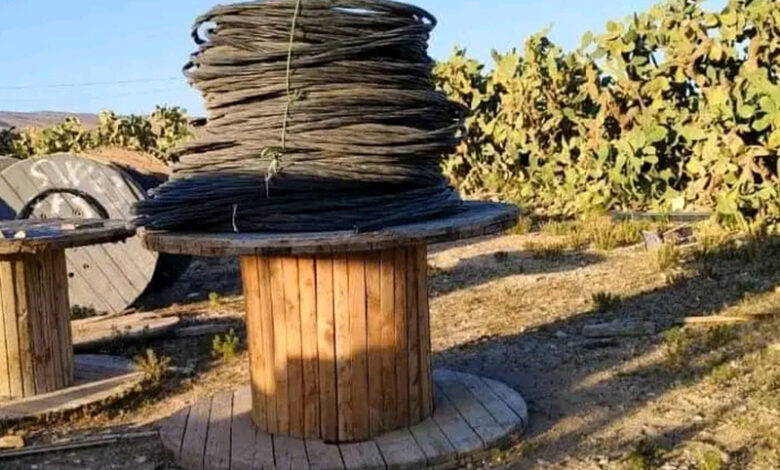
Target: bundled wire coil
322,115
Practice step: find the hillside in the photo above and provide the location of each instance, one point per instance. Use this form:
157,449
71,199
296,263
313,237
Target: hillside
41,119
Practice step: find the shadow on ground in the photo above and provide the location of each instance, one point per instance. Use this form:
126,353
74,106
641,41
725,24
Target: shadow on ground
566,377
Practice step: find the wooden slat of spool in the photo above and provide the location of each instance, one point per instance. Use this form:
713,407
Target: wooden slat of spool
105,278
292,307
250,270
357,331
276,279
338,323
401,339
387,320
307,279
326,350
413,345
341,339
376,353
37,354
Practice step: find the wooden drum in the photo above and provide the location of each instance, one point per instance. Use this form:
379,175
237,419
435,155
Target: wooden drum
337,323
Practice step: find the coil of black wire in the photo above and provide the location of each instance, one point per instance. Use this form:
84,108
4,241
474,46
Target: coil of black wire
322,115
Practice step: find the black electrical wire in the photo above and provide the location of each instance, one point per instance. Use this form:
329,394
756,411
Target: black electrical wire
322,115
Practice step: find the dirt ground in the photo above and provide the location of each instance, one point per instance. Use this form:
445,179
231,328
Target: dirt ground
699,398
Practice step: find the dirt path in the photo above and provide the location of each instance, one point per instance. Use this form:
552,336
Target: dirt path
669,400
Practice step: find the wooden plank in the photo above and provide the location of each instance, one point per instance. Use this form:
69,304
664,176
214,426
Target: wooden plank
91,333
31,289
60,283
426,373
402,358
503,414
5,367
323,456
387,308
194,443
463,438
217,456
326,349
470,408
290,453
50,316
172,431
359,338
413,338
280,346
400,451
7,275
513,399
376,347
24,328
264,452
294,347
343,347
434,444
308,304
268,381
362,456
242,443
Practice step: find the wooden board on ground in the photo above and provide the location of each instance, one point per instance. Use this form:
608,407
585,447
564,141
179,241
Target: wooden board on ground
98,378
476,219
92,333
434,442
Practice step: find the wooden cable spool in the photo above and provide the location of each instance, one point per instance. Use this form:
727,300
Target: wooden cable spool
107,278
338,325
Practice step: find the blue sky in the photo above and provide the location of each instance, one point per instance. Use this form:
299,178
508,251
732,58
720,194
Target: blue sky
145,42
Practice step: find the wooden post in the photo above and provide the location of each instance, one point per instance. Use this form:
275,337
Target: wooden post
36,353
339,345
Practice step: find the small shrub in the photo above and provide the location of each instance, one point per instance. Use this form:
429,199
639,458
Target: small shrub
215,299
501,256
604,301
154,367
546,250
710,460
559,229
667,257
524,226
225,346
720,336
677,342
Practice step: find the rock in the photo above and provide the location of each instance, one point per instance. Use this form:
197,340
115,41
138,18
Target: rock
619,328
203,330
561,335
11,442
141,460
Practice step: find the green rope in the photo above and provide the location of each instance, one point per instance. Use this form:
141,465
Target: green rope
277,153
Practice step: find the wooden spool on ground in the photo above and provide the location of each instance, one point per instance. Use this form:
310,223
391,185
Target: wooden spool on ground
106,278
337,323
36,350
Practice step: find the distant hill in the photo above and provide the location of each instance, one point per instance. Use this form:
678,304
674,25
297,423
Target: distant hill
41,119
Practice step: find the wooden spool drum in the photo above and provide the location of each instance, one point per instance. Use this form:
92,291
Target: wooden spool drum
337,323
107,278
339,344
36,350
